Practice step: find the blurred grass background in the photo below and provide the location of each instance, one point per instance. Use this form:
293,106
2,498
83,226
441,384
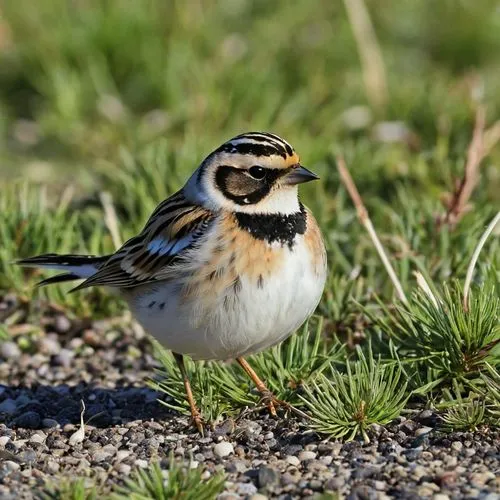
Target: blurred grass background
129,98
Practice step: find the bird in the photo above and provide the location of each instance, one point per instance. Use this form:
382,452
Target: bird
230,265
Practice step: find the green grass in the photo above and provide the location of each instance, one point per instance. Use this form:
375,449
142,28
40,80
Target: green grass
178,482
97,98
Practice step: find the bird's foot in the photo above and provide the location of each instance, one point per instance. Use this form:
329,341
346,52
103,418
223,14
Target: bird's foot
197,421
272,402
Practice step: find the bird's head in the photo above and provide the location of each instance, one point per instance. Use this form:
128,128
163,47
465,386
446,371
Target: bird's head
256,172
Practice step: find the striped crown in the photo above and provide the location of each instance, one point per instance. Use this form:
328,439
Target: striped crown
260,144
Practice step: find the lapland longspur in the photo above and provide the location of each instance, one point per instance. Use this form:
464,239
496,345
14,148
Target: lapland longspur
230,265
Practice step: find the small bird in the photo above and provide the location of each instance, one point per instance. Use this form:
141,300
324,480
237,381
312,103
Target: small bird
228,266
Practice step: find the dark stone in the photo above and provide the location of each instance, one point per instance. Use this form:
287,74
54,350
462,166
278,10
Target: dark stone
28,420
268,477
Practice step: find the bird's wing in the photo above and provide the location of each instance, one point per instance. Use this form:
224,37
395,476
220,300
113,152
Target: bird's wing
173,228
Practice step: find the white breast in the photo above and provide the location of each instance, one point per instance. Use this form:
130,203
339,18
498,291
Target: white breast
239,323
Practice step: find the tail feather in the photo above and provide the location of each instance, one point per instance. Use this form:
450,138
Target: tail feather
76,266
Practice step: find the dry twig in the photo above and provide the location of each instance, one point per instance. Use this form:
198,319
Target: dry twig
457,204
367,223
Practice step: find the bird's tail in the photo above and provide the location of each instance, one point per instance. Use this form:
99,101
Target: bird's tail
76,266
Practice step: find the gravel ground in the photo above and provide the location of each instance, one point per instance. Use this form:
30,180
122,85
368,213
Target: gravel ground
106,365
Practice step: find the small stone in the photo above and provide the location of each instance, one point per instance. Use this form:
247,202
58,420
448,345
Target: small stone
424,491
9,351
380,485
53,466
28,420
419,472
62,324
11,466
422,431
124,469
292,460
307,455
315,485
469,452
38,438
268,477
481,478
49,346
223,449
440,496
246,489
49,423
8,406
258,496
64,358
122,455
4,440
100,456
28,456
141,463
457,445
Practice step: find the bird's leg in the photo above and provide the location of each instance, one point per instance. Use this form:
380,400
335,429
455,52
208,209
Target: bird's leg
267,396
195,413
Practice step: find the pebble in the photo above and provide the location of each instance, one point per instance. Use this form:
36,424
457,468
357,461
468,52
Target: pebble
62,324
292,460
11,466
268,477
307,455
440,496
38,438
223,449
258,496
9,351
28,420
122,455
4,440
246,489
422,431
49,423
8,406
53,466
124,469
101,456
457,445
141,463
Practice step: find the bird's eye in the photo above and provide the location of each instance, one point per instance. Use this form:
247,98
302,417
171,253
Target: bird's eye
257,172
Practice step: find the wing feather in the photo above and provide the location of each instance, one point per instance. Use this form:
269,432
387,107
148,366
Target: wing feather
174,227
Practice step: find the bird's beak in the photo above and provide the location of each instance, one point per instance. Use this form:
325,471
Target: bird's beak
300,175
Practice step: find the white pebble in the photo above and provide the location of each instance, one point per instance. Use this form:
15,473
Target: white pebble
122,455
4,440
53,466
11,466
292,460
141,463
38,438
223,449
124,469
307,455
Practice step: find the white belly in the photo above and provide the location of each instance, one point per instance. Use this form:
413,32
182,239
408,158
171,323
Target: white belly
239,323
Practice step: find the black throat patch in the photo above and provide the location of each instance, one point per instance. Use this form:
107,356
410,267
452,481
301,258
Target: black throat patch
273,228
